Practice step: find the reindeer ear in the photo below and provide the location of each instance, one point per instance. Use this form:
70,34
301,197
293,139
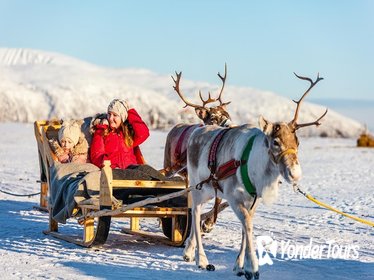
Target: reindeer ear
265,125
201,113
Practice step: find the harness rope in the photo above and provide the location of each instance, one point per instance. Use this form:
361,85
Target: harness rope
15,194
311,198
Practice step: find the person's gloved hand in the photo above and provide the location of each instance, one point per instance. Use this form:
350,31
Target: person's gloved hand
99,121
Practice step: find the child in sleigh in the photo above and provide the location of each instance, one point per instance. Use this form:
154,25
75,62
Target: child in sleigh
71,145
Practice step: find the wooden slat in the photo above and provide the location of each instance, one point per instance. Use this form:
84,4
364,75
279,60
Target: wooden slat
88,231
149,184
89,206
106,180
176,235
119,211
134,223
144,213
153,236
69,238
43,195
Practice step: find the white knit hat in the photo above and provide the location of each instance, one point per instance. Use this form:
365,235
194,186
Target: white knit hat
71,130
120,107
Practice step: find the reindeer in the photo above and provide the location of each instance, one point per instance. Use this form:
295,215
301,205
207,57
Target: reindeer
175,157
174,162
258,158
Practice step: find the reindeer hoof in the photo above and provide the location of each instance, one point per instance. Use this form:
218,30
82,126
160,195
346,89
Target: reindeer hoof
256,275
240,273
210,267
207,227
248,275
188,259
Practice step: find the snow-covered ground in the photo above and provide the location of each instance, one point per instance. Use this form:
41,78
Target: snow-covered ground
334,170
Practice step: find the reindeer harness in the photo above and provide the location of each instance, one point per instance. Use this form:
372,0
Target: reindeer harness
228,168
180,156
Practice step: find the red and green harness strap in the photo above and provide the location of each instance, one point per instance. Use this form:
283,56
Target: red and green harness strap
230,167
244,167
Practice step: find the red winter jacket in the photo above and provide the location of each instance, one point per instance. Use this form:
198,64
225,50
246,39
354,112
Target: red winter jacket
112,147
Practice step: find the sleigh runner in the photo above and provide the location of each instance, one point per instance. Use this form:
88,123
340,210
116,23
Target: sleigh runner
96,207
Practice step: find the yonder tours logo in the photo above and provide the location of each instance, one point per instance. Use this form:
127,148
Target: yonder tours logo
269,249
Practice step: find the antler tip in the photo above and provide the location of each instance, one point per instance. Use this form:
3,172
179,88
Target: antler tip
312,84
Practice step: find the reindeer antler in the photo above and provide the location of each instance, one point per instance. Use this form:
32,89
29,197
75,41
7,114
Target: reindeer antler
312,84
205,102
176,88
223,79
209,100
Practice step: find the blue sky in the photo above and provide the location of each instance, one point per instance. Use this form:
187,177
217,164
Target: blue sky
262,42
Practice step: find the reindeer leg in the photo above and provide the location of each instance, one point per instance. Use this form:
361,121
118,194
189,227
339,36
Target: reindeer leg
189,249
253,256
209,222
207,225
250,260
201,259
239,264
252,251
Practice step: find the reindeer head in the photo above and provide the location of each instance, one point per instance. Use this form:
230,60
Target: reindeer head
209,115
282,140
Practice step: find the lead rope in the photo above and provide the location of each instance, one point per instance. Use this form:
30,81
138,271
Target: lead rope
16,194
324,205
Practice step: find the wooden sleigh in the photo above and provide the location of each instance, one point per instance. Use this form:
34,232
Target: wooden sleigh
96,214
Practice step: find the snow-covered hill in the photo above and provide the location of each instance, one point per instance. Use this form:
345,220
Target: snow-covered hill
42,85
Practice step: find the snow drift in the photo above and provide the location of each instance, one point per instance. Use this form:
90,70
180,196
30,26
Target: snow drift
43,85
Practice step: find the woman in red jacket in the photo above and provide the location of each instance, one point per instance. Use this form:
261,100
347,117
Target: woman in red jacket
118,140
